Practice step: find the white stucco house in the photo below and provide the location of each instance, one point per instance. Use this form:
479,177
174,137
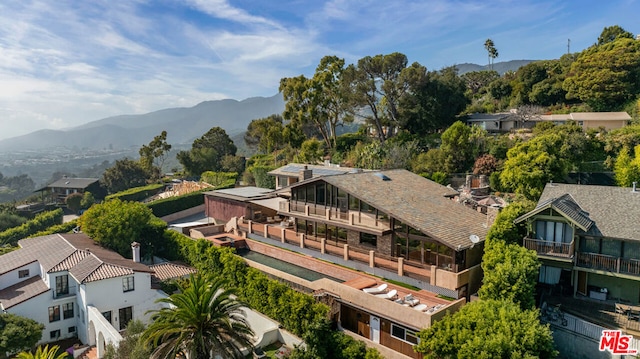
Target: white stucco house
76,288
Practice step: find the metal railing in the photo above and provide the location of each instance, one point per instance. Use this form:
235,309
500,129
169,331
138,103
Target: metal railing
550,248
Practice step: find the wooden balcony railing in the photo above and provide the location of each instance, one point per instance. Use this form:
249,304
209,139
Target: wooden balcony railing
548,248
332,213
609,263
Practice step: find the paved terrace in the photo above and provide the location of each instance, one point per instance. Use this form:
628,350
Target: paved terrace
363,260
350,291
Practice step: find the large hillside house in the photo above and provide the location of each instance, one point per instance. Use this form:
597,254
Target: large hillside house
397,216
588,240
59,190
76,288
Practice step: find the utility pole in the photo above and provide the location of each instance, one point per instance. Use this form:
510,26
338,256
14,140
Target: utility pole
568,46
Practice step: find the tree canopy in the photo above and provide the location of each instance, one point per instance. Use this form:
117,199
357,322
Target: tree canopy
207,152
488,329
18,333
153,155
115,224
203,318
124,174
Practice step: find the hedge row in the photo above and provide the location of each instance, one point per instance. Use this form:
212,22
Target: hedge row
58,228
294,310
167,206
41,222
219,179
137,194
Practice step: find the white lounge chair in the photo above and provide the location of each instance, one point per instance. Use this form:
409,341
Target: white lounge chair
410,300
376,290
421,307
389,295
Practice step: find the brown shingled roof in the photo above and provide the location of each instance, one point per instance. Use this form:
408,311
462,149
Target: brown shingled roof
418,202
22,291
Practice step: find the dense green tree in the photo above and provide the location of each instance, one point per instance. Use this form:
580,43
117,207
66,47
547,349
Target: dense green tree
429,162
504,229
434,102
131,346
458,148
153,155
532,164
510,273
612,33
207,152
627,169
377,85
87,200
18,333
233,164
616,140
322,100
477,81
44,353
204,318
606,76
115,224
311,151
265,134
124,174
10,219
323,342
73,201
488,329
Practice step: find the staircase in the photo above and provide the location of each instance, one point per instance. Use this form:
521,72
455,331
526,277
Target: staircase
91,353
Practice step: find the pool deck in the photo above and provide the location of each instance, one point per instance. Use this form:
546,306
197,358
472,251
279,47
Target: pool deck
352,279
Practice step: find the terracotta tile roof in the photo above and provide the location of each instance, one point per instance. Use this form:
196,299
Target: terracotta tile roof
22,291
613,210
416,201
92,269
170,270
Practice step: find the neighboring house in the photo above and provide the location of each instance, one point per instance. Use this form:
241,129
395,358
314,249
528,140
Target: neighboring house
395,214
586,120
76,288
507,121
494,122
60,189
588,240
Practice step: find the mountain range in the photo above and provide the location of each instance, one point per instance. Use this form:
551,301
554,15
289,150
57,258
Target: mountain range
183,125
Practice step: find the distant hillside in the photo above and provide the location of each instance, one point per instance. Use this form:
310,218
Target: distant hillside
183,125
501,67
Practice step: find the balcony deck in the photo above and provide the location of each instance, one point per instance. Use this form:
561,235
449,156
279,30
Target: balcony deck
609,263
333,214
551,249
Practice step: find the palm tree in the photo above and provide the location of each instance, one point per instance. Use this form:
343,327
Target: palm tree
204,318
43,353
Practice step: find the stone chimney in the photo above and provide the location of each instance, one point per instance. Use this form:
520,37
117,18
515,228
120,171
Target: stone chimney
135,248
305,174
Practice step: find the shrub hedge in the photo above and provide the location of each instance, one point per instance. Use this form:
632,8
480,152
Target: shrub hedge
58,228
137,194
39,223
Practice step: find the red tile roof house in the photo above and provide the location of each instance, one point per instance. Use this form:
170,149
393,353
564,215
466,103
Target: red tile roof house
76,288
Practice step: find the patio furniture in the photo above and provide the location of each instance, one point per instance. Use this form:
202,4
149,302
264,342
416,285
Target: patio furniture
389,295
421,307
410,300
376,290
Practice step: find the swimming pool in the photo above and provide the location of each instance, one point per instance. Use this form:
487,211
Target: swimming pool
286,267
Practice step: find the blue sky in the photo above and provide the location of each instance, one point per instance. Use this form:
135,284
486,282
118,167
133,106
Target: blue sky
64,63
